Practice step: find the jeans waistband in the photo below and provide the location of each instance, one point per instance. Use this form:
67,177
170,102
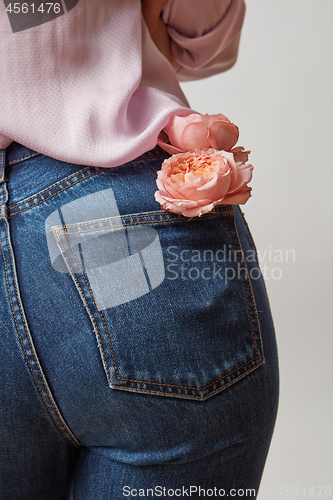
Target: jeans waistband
31,174
16,152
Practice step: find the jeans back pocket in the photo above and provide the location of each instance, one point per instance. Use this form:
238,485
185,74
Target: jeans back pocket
169,298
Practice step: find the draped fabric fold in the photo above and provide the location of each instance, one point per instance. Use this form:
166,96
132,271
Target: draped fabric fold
90,87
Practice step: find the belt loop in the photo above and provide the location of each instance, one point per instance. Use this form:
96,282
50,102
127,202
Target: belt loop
3,188
2,167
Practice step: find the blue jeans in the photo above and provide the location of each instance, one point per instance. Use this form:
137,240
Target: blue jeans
138,355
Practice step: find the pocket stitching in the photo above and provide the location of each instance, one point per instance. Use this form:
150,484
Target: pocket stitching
53,194
249,286
227,212
83,297
123,217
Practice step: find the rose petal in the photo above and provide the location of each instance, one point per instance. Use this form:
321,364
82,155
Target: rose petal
193,183
240,154
168,147
195,136
176,126
167,190
209,119
225,135
198,211
244,176
213,190
239,198
175,206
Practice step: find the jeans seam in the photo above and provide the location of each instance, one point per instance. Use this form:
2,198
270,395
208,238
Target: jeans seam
61,182
49,189
2,176
53,194
184,387
32,349
22,159
250,288
83,296
58,228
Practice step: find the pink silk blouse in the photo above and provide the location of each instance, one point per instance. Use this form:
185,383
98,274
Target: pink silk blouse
84,82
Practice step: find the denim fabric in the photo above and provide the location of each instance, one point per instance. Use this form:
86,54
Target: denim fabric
137,346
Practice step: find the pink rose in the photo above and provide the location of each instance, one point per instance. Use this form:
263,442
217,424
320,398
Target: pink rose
192,183
195,131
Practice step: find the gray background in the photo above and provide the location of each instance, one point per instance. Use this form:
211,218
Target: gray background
279,93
